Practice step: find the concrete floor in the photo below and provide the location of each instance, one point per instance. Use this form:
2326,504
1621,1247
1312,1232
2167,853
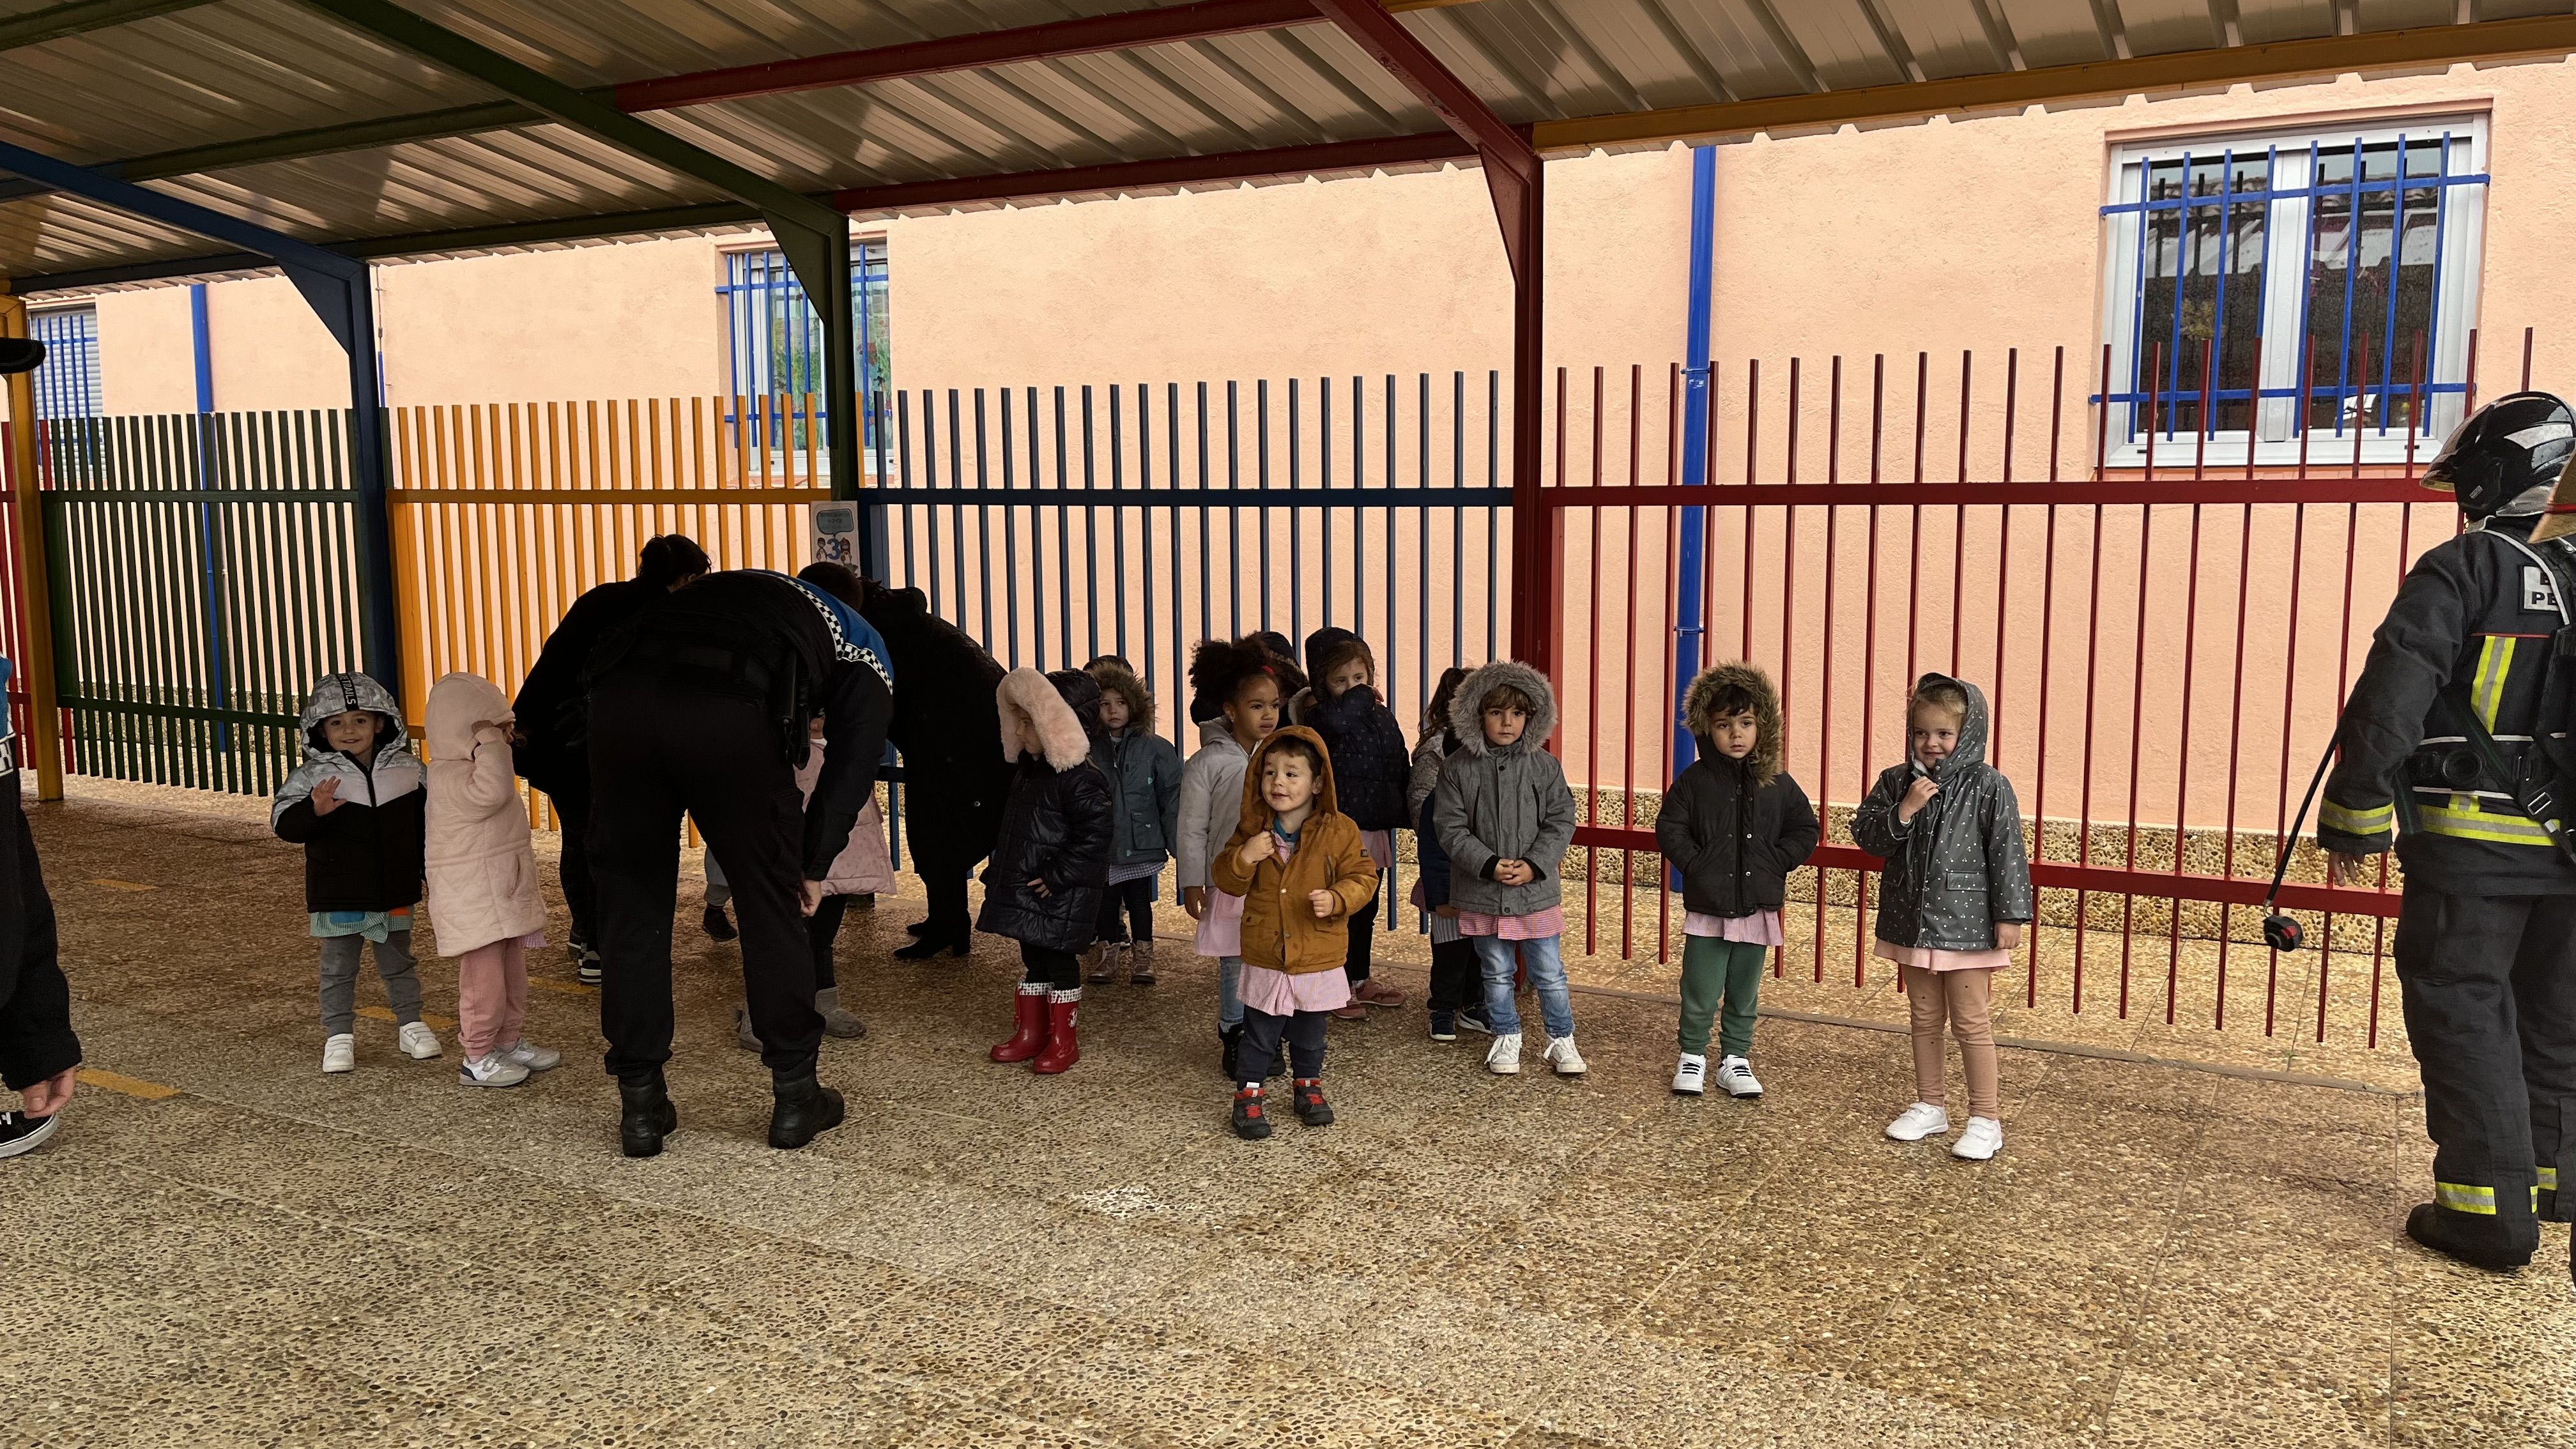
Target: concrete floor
224,1247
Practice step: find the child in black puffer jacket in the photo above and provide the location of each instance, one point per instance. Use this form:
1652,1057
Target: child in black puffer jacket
1734,824
1050,867
1370,774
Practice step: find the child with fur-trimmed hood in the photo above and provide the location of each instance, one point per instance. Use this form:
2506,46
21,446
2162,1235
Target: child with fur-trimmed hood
1505,817
1144,772
356,805
1733,824
1050,865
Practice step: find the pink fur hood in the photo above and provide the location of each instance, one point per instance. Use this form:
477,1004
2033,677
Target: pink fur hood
1038,720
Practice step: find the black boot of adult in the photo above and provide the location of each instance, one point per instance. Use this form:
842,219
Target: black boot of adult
2436,1229
647,1115
805,1110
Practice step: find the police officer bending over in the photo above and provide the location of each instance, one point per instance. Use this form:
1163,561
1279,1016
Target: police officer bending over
701,706
2456,736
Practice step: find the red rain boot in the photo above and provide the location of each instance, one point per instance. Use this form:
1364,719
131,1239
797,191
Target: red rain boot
1061,1051
1031,1038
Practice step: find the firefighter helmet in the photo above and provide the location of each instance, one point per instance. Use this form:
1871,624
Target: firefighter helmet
2517,443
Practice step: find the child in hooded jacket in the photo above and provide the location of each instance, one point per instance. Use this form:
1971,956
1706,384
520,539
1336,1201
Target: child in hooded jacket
1952,900
1050,863
1300,868
1237,688
1506,818
1144,771
1734,824
355,805
1344,709
1453,959
482,879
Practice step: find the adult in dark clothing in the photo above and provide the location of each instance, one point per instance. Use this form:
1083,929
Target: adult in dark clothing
38,1051
551,753
1050,868
703,705
955,775
2486,935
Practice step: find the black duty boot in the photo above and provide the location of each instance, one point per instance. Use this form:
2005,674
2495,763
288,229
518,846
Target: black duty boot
648,1115
2441,1232
804,1111
716,925
1232,1037
932,944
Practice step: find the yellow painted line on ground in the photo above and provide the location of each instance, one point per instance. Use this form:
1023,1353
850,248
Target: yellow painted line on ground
122,885
436,1023
123,1085
568,988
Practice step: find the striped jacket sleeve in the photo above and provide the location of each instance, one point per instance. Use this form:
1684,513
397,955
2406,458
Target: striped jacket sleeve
2411,659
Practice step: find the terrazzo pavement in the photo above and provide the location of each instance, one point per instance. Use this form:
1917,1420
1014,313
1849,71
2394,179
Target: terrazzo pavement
2161,1256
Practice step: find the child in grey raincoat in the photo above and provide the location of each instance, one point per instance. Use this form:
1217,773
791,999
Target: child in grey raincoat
357,806
1952,902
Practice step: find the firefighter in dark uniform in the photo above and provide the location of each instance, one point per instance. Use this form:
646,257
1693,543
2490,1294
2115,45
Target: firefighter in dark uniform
2478,643
701,706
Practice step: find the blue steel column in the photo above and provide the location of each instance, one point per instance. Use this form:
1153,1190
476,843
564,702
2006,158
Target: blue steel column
209,544
1691,609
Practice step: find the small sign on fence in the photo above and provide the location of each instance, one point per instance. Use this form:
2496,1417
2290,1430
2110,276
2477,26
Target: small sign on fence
833,529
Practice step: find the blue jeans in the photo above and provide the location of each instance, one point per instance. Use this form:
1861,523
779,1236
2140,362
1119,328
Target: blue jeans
1495,957
1229,992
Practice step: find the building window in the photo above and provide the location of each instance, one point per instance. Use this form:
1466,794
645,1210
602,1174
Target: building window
2318,287
774,343
67,385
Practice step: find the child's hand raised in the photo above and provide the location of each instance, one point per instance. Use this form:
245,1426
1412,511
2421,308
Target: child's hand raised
1323,902
326,797
1917,795
1258,849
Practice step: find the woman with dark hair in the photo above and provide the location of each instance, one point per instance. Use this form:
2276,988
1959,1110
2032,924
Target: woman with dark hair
553,754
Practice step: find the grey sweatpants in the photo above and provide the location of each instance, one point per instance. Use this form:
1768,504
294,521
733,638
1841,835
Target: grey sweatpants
340,980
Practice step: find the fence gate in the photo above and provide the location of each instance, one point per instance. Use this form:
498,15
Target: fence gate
203,573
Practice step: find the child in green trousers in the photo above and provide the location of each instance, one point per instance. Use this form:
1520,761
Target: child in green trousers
1733,825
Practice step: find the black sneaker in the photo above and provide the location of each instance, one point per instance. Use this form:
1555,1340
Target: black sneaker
717,927
1472,1018
22,1133
587,972
1444,1026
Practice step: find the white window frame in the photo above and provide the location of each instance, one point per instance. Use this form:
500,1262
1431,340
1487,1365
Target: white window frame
2455,301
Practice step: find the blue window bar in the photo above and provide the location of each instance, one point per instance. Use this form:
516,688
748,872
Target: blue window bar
774,346
67,385
2315,291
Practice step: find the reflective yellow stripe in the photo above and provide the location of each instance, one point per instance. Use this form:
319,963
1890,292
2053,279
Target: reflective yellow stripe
2374,821
2461,1198
2549,1179
2474,824
2486,689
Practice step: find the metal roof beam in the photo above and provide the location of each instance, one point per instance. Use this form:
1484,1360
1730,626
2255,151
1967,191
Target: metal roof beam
2324,56
81,16
1170,171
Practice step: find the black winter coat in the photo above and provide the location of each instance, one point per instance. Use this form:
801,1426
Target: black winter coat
1056,827
1370,766
553,703
360,857
1733,841
949,732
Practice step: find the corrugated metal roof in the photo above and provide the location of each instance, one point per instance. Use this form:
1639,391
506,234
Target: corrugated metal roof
246,70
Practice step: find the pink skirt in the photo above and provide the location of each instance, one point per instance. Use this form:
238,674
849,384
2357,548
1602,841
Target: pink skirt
1221,929
1380,846
1281,994
1536,926
1762,928
1926,958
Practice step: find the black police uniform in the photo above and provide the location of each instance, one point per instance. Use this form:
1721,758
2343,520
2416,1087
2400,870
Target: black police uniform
36,1038
2486,935
701,707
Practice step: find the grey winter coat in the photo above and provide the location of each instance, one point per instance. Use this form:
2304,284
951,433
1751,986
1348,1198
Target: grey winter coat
1503,804
1211,800
1957,868
1146,771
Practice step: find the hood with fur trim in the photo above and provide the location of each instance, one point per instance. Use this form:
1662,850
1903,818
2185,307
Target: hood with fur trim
1467,710
1699,711
1052,716
1117,679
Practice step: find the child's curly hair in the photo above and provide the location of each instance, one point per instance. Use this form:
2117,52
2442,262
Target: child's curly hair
1219,668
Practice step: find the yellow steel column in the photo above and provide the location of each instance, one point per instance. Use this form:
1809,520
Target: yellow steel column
35,595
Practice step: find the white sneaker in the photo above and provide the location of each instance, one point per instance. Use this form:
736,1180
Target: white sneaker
1503,1058
419,1041
534,1057
339,1053
1735,1078
495,1070
1689,1079
1920,1121
1562,1056
1983,1138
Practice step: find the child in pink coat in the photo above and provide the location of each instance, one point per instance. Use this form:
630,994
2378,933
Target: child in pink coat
483,897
